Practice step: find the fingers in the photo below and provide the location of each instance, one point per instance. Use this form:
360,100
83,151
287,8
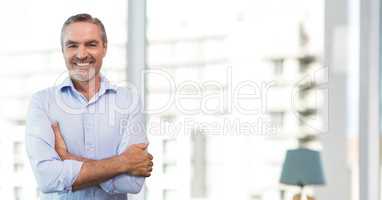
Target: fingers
146,169
150,167
143,171
148,172
143,167
57,132
151,164
150,156
60,145
55,127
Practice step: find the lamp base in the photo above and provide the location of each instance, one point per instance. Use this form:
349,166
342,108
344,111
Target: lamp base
298,197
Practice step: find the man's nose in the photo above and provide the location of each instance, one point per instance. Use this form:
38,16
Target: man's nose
81,52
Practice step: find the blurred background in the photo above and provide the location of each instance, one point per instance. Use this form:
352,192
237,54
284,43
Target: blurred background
229,87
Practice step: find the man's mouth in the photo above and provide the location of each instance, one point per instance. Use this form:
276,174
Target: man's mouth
83,64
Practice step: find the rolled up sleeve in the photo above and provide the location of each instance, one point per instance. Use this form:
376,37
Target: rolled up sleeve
133,133
52,174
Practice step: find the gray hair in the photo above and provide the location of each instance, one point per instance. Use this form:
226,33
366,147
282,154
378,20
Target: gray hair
84,17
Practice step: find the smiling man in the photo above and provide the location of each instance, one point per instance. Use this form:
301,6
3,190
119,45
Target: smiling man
85,138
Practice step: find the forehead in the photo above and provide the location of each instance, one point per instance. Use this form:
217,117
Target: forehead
82,31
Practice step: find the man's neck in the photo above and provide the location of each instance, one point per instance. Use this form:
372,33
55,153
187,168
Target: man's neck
88,88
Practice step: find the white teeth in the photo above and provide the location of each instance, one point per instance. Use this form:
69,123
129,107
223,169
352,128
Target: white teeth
82,64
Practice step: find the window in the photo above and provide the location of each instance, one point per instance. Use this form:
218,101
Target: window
277,118
199,167
17,148
18,193
278,66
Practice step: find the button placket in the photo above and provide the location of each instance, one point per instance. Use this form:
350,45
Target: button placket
89,133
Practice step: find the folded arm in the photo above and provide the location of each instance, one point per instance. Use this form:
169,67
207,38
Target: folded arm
133,163
54,174
132,150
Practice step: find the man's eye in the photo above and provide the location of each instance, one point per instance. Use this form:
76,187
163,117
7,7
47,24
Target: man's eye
71,46
92,45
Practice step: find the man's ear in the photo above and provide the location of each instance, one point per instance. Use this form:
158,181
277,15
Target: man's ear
105,48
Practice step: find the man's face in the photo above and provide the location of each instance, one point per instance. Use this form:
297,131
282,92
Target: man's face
83,50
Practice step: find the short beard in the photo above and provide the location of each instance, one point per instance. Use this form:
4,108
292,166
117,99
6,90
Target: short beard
78,75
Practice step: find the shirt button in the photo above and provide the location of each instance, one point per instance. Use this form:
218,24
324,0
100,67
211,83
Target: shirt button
89,124
90,148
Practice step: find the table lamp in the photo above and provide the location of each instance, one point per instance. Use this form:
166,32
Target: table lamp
302,167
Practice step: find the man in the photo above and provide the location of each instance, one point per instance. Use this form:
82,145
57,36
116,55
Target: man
85,138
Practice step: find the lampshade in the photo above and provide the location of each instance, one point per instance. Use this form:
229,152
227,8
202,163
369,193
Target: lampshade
302,167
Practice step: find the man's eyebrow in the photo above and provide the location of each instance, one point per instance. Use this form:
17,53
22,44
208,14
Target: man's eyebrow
70,42
91,41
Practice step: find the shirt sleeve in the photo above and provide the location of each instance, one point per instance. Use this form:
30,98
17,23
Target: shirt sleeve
52,174
133,133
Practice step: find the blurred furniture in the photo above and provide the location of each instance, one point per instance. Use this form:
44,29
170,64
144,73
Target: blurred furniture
302,167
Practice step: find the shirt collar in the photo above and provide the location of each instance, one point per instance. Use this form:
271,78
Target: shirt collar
104,87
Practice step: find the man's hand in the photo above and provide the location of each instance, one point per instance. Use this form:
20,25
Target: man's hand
59,143
138,161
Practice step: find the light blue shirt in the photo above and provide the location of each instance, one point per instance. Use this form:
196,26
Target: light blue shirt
96,129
